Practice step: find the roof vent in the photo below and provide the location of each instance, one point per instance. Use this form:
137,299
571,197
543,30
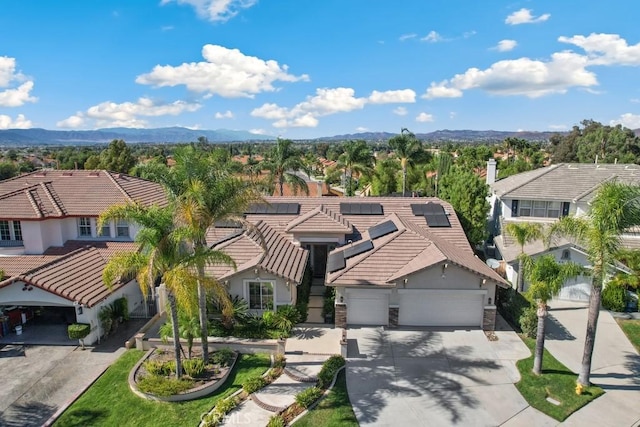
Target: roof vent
94,173
67,173
40,173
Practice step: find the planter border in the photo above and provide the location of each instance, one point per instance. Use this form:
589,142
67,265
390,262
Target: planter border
191,394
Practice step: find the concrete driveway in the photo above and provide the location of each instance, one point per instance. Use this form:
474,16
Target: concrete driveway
434,377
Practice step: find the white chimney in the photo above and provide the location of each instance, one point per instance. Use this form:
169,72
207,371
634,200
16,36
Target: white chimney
319,183
491,171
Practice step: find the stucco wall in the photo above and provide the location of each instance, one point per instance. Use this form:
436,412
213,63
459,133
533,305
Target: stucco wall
282,295
14,295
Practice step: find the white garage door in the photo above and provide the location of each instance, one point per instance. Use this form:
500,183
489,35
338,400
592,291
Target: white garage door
576,290
367,308
438,308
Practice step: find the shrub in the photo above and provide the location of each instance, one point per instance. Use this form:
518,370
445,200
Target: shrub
289,312
193,367
328,306
276,421
512,306
279,361
329,369
79,331
122,308
225,406
253,384
529,322
162,386
306,397
268,317
614,298
158,367
222,357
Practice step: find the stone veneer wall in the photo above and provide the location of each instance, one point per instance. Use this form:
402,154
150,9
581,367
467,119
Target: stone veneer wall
393,317
489,319
341,315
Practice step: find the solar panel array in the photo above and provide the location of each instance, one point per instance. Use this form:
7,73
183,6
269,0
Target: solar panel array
357,249
382,229
274,209
335,262
433,213
361,209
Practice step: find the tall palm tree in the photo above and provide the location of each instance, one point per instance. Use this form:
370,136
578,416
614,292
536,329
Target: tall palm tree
407,148
357,159
523,233
283,163
545,277
159,254
614,209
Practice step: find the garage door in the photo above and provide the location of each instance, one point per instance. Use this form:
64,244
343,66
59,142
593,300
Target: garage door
576,290
437,308
367,308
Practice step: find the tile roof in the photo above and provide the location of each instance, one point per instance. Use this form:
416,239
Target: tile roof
61,193
316,189
564,181
73,272
320,220
283,258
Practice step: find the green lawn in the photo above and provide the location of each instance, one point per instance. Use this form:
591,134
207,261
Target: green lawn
556,381
631,328
334,410
110,402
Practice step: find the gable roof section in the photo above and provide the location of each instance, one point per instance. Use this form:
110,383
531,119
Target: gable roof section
282,258
58,193
320,220
564,182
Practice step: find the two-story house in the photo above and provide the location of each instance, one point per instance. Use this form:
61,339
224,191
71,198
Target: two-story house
51,253
544,195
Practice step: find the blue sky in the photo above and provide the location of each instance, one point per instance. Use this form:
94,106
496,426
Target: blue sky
310,68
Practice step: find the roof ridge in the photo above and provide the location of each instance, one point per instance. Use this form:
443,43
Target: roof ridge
58,259
302,218
19,190
584,193
49,192
119,187
33,202
550,168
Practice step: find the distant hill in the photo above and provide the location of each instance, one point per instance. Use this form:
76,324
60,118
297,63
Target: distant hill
37,136
450,135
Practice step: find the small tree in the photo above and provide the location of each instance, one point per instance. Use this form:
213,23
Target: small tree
523,233
79,331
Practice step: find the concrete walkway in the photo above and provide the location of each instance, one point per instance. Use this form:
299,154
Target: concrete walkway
615,366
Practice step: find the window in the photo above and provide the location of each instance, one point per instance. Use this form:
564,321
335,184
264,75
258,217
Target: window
540,209
122,228
17,230
566,255
553,209
525,208
261,295
84,227
4,230
106,229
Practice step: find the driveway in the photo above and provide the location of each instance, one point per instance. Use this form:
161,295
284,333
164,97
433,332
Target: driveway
434,377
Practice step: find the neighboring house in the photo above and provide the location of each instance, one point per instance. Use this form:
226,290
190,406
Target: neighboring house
392,261
52,254
544,195
316,189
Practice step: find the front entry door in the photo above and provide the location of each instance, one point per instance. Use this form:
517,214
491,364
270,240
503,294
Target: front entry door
319,260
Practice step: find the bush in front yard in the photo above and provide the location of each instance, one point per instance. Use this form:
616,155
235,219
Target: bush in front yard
306,397
193,367
329,369
614,298
512,306
162,386
251,385
222,357
529,322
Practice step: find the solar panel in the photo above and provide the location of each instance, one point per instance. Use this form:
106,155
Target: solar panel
281,208
335,262
274,209
382,229
361,209
418,209
434,208
437,220
357,249
293,208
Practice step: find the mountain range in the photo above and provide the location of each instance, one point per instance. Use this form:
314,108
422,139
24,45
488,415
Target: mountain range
36,136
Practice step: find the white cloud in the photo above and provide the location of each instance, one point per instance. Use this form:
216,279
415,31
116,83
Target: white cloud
433,37
306,121
407,36
452,115
628,120
226,115
400,111
392,96
126,114
558,127
226,72
362,129
21,122
606,49
424,118
216,10
257,131
12,95
524,16
523,76
505,45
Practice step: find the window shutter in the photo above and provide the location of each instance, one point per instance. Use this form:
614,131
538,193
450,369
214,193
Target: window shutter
565,208
514,208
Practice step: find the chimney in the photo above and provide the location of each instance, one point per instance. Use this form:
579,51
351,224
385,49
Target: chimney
319,183
491,171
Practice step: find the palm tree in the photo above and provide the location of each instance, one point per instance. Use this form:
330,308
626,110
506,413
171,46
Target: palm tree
614,209
356,159
283,163
406,148
159,254
545,277
188,326
523,233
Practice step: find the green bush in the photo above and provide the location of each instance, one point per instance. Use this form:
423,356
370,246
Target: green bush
276,421
512,306
222,357
193,367
253,384
329,369
222,408
122,308
614,298
78,331
158,367
529,322
162,386
328,306
307,397
289,312
304,291
279,361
